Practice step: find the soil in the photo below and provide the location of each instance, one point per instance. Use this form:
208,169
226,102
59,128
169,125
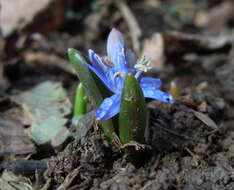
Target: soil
190,144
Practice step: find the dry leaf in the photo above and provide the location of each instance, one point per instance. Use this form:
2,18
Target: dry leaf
153,48
46,106
206,120
18,14
13,139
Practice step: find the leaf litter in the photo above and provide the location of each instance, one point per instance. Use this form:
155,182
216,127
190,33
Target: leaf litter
45,106
185,154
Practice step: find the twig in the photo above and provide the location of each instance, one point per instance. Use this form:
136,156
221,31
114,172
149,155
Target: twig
69,179
131,22
135,144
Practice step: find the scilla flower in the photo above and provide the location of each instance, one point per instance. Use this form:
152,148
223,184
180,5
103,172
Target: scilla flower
112,71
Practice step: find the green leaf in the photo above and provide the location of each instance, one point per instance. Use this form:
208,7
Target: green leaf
85,76
132,117
90,87
80,101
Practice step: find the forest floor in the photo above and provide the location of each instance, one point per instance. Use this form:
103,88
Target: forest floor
191,142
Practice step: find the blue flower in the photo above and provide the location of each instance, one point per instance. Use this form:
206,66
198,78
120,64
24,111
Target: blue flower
112,71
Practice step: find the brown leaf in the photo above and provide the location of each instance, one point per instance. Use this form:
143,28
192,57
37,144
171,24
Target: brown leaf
46,60
206,120
154,49
220,15
13,18
13,139
179,43
10,181
203,107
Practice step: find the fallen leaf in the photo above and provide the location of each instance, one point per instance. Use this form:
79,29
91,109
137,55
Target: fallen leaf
13,139
60,137
10,181
202,86
179,43
45,106
83,124
220,14
154,49
206,120
46,59
203,107
13,18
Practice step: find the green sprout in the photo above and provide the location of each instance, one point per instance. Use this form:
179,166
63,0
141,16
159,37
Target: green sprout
80,107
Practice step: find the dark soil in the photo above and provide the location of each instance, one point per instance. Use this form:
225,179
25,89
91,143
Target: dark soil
184,150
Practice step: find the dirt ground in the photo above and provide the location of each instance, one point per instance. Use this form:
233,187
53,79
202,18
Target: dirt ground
190,144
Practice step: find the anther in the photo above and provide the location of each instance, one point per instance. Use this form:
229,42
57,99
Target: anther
107,61
118,74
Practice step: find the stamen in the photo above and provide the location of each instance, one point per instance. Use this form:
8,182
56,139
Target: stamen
118,74
143,64
108,62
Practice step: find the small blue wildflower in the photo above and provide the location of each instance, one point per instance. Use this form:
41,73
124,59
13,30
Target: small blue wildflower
112,71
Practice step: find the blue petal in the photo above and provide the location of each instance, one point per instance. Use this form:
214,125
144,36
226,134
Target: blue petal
158,95
115,37
138,73
97,62
101,76
118,83
115,50
121,63
109,107
102,68
150,83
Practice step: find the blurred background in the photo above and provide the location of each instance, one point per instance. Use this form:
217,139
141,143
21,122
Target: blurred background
190,44
35,35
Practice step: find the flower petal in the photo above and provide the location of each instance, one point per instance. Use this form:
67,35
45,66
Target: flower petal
115,50
97,62
120,63
150,83
115,37
158,95
101,76
109,107
138,73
